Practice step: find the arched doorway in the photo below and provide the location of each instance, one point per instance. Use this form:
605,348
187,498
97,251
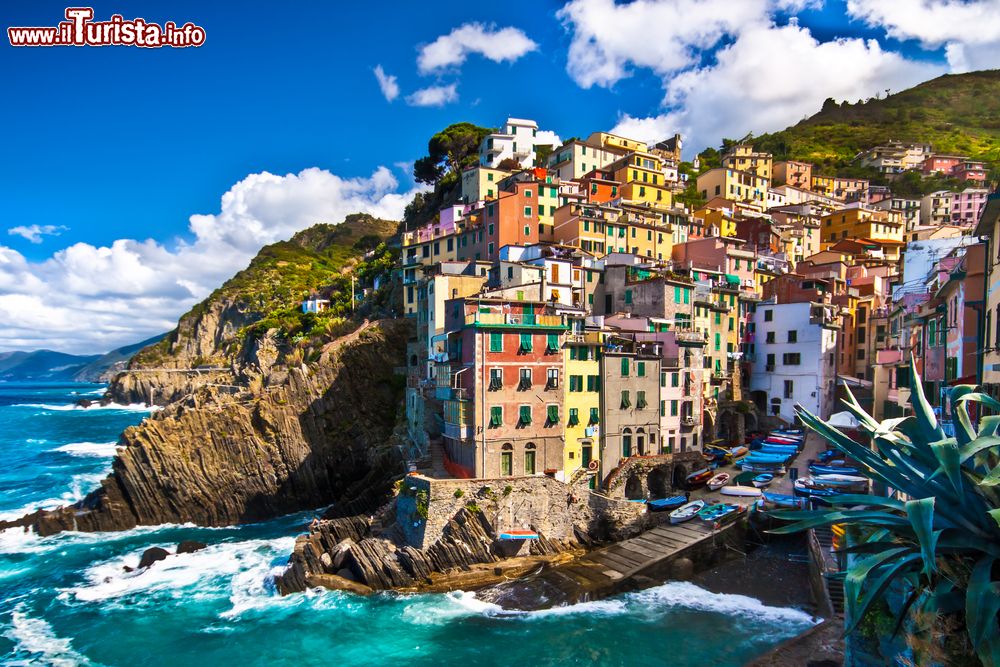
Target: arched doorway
633,487
529,459
680,474
507,460
640,441
626,442
759,399
658,482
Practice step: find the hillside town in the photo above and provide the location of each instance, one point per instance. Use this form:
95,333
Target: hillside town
575,318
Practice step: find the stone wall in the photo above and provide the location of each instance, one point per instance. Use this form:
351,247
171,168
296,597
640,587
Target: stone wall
538,503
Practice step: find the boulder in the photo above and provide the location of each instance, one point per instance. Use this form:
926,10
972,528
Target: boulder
681,569
151,555
190,546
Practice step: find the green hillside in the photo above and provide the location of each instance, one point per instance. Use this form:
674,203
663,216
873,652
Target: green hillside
955,113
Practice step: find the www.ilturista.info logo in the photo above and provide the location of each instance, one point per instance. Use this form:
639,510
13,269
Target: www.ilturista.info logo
79,29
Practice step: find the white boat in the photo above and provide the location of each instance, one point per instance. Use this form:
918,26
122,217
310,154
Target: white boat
744,491
840,479
687,512
719,481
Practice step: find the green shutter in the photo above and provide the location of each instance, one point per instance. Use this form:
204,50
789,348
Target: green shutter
524,414
673,408
496,416
595,416
525,342
640,399
552,342
624,367
574,417
628,296
553,414
674,379
626,403
496,342
640,369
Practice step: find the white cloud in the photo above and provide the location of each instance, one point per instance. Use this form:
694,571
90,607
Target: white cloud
387,84
433,96
969,31
86,298
34,233
751,88
547,138
505,44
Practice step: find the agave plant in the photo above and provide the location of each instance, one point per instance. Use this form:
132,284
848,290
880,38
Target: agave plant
938,542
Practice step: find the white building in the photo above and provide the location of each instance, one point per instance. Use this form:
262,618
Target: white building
908,209
795,358
517,141
935,208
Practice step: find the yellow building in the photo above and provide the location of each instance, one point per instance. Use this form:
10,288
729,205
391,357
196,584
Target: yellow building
602,228
480,183
718,219
615,142
576,158
642,179
582,393
858,222
735,185
743,158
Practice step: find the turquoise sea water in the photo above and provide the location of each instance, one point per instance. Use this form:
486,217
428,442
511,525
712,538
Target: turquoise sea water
66,600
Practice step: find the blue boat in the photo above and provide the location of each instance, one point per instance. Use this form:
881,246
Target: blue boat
666,504
816,469
714,513
761,457
778,449
829,455
783,500
762,480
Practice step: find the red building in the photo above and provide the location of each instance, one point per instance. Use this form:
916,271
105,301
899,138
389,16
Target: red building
504,407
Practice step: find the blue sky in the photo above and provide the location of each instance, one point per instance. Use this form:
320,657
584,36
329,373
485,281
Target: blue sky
109,147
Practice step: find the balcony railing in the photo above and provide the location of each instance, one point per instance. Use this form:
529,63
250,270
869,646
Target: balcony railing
508,319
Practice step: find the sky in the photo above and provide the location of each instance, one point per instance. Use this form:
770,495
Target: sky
134,181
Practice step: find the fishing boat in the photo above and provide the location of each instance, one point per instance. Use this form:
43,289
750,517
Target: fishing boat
763,480
794,432
804,487
737,453
698,478
778,449
740,491
772,468
818,469
518,535
782,441
666,504
785,436
841,480
715,513
719,481
761,457
780,500
686,512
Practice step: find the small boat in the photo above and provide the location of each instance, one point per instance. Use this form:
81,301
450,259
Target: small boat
778,449
797,432
784,438
805,488
698,478
737,453
780,500
518,535
741,491
817,469
773,468
666,504
762,480
719,481
760,457
840,480
715,513
686,512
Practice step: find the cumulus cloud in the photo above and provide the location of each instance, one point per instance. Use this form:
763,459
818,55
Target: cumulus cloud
720,100
433,96
547,138
88,298
387,84
729,68
451,50
968,30
34,233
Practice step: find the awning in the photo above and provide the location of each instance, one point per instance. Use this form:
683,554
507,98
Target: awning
732,279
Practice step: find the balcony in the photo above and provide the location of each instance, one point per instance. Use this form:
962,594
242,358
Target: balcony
511,320
687,422
590,338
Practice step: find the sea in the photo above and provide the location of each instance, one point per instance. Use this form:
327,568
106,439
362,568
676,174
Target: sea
67,599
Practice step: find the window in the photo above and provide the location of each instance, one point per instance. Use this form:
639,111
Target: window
551,343
574,417
575,383
628,296
674,379
593,383
524,381
768,315
527,230
640,400
624,367
496,342
552,415
527,192
791,359
640,369
861,354
496,416
524,415
769,337
496,379
595,416
673,408
529,459
626,402
663,408
507,461
525,343
793,336
552,378
770,362
789,388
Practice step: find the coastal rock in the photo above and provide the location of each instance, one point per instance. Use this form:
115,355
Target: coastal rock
682,569
218,458
190,546
152,555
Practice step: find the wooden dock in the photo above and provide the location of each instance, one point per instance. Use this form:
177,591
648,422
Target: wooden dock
639,562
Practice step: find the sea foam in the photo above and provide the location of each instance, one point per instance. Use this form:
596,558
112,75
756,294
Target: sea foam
35,637
64,407
98,449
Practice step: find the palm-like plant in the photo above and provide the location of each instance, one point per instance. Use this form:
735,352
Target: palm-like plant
941,544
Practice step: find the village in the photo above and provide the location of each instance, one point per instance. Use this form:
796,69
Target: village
576,320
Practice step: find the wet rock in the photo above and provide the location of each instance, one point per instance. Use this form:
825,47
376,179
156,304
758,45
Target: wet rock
190,546
682,569
151,555
84,403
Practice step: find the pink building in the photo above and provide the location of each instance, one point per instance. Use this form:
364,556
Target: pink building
941,164
971,171
967,205
716,253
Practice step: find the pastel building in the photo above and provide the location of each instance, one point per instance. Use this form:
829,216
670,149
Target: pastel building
967,205
516,142
734,185
794,174
581,398
575,159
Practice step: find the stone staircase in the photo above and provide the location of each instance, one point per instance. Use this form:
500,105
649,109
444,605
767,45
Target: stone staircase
436,447
834,587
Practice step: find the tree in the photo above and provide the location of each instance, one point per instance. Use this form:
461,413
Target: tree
451,149
935,551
